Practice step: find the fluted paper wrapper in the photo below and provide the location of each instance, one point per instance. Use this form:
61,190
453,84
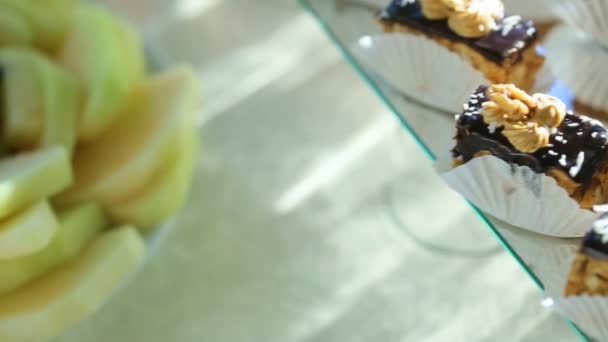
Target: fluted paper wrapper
588,16
426,71
555,265
581,64
590,313
518,195
420,69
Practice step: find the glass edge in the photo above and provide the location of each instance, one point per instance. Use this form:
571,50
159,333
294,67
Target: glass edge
306,5
351,60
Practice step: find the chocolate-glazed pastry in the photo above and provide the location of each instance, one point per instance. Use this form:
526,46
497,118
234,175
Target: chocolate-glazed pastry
589,272
536,131
502,48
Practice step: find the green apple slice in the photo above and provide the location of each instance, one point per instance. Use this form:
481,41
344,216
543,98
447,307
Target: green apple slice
77,227
61,96
41,100
106,56
50,305
49,20
132,151
14,30
133,53
30,177
28,231
23,119
60,5
160,199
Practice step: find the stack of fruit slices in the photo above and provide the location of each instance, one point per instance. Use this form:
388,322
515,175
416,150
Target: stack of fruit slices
95,153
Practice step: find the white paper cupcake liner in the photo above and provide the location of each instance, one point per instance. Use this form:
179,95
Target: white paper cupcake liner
539,10
420,68
581,64
588,16
589,313
555,267
518,196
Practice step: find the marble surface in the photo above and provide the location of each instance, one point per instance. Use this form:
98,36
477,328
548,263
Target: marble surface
287,236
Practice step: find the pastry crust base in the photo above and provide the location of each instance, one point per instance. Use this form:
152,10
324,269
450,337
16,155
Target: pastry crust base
521,73
588,275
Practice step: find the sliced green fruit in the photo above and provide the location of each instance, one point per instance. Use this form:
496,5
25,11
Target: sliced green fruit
50,305
14,29
133,53
132,151
167,192
31,177
77,227
106,56
58,4
41,100
28,231
23,119
61,95
49,21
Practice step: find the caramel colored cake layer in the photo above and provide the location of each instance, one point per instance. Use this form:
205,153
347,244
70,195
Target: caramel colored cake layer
589,273
506,54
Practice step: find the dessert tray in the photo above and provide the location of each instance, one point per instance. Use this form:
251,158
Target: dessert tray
352,25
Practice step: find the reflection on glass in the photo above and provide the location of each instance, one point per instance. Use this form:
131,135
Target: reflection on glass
346,23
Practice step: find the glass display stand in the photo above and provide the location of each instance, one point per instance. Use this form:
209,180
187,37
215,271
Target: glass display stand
454,241
347,21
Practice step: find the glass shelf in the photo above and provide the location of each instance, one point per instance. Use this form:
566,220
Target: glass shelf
345,22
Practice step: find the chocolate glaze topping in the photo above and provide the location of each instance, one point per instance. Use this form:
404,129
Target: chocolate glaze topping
511,36
577,147
595,242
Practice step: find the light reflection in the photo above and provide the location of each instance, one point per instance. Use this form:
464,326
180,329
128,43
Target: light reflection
366,42
325,57
327,170
194,8
319,317
251,68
